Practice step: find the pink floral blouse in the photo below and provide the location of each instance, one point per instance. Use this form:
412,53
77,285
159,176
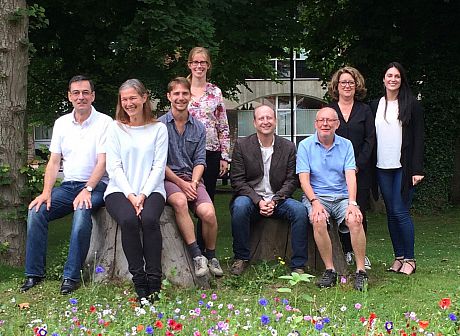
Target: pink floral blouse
210,110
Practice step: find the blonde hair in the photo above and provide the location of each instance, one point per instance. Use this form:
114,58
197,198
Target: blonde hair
360,86
207,55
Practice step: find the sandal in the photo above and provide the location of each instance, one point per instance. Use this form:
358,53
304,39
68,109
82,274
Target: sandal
412,264
399,261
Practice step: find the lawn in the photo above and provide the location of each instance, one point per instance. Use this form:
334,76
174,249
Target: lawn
252,304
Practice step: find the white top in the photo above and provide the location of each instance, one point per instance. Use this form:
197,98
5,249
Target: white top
389,135
79,144
136,158
263,188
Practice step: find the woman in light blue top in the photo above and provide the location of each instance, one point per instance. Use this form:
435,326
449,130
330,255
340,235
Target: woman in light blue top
137,149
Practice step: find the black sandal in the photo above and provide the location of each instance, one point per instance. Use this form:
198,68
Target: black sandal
400,260
412,264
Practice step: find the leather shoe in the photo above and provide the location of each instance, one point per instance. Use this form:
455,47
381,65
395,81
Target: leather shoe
68,286
30,282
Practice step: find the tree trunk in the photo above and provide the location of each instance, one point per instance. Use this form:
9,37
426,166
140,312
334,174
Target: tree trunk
456,178
13,97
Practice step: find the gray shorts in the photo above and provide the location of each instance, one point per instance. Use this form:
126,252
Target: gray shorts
336,206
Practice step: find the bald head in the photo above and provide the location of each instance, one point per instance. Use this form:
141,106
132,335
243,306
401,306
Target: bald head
326,112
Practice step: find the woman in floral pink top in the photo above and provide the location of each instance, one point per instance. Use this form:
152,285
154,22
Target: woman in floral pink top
207,105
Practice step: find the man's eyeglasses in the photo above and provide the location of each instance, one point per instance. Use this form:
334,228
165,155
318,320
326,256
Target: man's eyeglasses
345,83
326,120
196,63
84,93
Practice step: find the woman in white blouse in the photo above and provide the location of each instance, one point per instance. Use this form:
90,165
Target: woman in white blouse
399,129
137,150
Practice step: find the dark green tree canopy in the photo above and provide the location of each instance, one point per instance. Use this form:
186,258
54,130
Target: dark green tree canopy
423,36
111,41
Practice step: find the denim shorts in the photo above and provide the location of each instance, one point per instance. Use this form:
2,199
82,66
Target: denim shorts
335,205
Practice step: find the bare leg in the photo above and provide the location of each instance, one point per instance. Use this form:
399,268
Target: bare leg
323,242
179,203
358,241
206,212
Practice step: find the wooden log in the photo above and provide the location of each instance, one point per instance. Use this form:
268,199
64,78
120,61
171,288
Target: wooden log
106,251
271,238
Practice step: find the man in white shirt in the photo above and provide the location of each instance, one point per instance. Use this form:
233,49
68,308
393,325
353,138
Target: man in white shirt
79,139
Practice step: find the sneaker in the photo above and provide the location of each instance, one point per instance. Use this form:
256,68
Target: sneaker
298,270
201,265
239,266
350,258
360,280
214,267
328,279
367,263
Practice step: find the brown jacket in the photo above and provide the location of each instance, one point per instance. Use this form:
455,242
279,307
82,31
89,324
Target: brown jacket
247,168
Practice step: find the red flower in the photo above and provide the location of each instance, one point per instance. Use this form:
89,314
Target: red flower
92,309
444,303
159,324
178,327
139,328
172,323
423,324
168,333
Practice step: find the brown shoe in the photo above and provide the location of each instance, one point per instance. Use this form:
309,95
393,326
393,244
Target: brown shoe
239,266
298,270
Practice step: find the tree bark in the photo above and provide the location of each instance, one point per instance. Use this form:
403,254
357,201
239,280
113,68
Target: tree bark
13,97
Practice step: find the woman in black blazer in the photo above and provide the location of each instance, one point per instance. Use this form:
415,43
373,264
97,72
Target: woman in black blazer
400,132
347,88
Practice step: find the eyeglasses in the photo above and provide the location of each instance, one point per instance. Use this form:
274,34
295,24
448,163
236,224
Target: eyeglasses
326,120
84,93
349,83
196,63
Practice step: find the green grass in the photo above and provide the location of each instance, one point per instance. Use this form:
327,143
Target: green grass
389,295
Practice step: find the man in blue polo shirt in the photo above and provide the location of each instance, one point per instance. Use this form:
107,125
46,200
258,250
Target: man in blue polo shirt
327,172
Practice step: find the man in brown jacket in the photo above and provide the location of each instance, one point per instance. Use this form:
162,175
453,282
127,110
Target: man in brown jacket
264,179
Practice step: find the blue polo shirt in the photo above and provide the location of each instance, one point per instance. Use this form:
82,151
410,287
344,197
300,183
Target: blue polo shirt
326,166
186,150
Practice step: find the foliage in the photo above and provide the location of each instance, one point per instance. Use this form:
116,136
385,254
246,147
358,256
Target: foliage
422,36
112,41
5,177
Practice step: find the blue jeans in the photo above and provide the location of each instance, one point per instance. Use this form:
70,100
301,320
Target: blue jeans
244,212
62,198
400,224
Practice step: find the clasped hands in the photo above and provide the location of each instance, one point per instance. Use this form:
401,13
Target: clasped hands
266,208
138,202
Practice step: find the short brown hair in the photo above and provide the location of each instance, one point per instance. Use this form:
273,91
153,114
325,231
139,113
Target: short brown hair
360,88
178,81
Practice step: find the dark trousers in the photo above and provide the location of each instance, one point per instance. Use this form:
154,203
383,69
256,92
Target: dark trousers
210,176
144,256
362,198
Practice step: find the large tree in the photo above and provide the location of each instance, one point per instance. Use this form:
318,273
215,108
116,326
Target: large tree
423,36
114,40
13,96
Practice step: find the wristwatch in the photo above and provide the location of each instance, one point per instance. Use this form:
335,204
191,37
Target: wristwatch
353,203
90,189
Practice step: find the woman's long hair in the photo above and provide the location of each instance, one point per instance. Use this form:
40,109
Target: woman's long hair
405,95
137,85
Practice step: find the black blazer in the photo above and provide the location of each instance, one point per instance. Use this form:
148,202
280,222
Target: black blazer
247,168
360,130
412,145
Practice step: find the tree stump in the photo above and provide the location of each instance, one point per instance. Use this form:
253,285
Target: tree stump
106,251
271,238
